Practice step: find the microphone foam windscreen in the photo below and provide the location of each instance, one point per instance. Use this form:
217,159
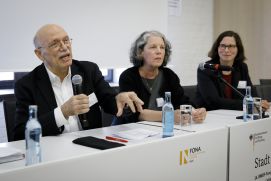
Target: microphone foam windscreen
77,79
201,66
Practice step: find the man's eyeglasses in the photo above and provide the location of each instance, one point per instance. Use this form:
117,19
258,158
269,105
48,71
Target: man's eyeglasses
230,47
56,44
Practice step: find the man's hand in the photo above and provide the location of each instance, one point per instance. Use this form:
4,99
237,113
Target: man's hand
130,99
78,104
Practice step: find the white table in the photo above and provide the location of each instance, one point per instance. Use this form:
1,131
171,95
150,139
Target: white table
249,144
153,158
214,119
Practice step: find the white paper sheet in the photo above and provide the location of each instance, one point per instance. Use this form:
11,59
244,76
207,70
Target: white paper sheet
135,134
8,154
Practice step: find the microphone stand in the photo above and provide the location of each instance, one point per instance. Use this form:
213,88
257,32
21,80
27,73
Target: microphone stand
240,94
225,82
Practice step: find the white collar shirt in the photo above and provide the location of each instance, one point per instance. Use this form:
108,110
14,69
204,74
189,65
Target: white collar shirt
63,91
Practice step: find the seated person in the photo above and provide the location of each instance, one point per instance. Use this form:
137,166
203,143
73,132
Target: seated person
49,86
150,79
212,93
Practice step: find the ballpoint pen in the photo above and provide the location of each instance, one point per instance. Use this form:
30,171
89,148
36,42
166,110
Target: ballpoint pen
116,139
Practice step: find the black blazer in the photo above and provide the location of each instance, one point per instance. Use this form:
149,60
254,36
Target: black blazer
210,90
35,88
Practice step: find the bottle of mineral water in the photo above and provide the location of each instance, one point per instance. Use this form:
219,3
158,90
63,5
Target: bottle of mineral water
168,116
248,105
32,137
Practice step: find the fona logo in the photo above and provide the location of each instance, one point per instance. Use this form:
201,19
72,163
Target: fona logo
188,155
184,156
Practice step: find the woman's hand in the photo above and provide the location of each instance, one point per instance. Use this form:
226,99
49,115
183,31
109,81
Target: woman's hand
199,115
265,105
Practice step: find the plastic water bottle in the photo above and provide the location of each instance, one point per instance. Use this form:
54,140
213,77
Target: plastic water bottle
32,138
168,116
248,105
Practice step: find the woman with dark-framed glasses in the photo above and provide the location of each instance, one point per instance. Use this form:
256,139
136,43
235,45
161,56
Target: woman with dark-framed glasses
212,92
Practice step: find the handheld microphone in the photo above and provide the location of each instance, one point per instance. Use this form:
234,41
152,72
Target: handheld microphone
215,67
77,88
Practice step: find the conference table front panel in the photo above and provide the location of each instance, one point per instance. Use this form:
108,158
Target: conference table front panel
250,151
186,156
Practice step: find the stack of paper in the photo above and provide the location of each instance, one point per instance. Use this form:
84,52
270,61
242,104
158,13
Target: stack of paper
135,134
8,154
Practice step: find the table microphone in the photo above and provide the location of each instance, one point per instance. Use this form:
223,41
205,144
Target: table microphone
203,66
77,88
215,67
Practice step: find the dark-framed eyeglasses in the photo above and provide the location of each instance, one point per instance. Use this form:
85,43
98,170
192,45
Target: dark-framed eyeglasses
230,47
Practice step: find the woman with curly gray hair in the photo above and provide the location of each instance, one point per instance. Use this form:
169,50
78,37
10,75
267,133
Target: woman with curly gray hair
150,79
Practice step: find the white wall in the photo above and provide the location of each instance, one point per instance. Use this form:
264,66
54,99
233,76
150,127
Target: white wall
191,35
251,19
201,21
102,30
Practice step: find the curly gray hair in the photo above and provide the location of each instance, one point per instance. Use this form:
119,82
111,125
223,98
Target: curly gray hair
139,44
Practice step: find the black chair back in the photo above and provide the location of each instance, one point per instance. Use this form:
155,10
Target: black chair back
9,112
190,91
266,92
259,90
265,81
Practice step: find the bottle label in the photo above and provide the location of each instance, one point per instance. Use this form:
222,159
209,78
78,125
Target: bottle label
169,122
33,149
35,134
250,108
244,111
